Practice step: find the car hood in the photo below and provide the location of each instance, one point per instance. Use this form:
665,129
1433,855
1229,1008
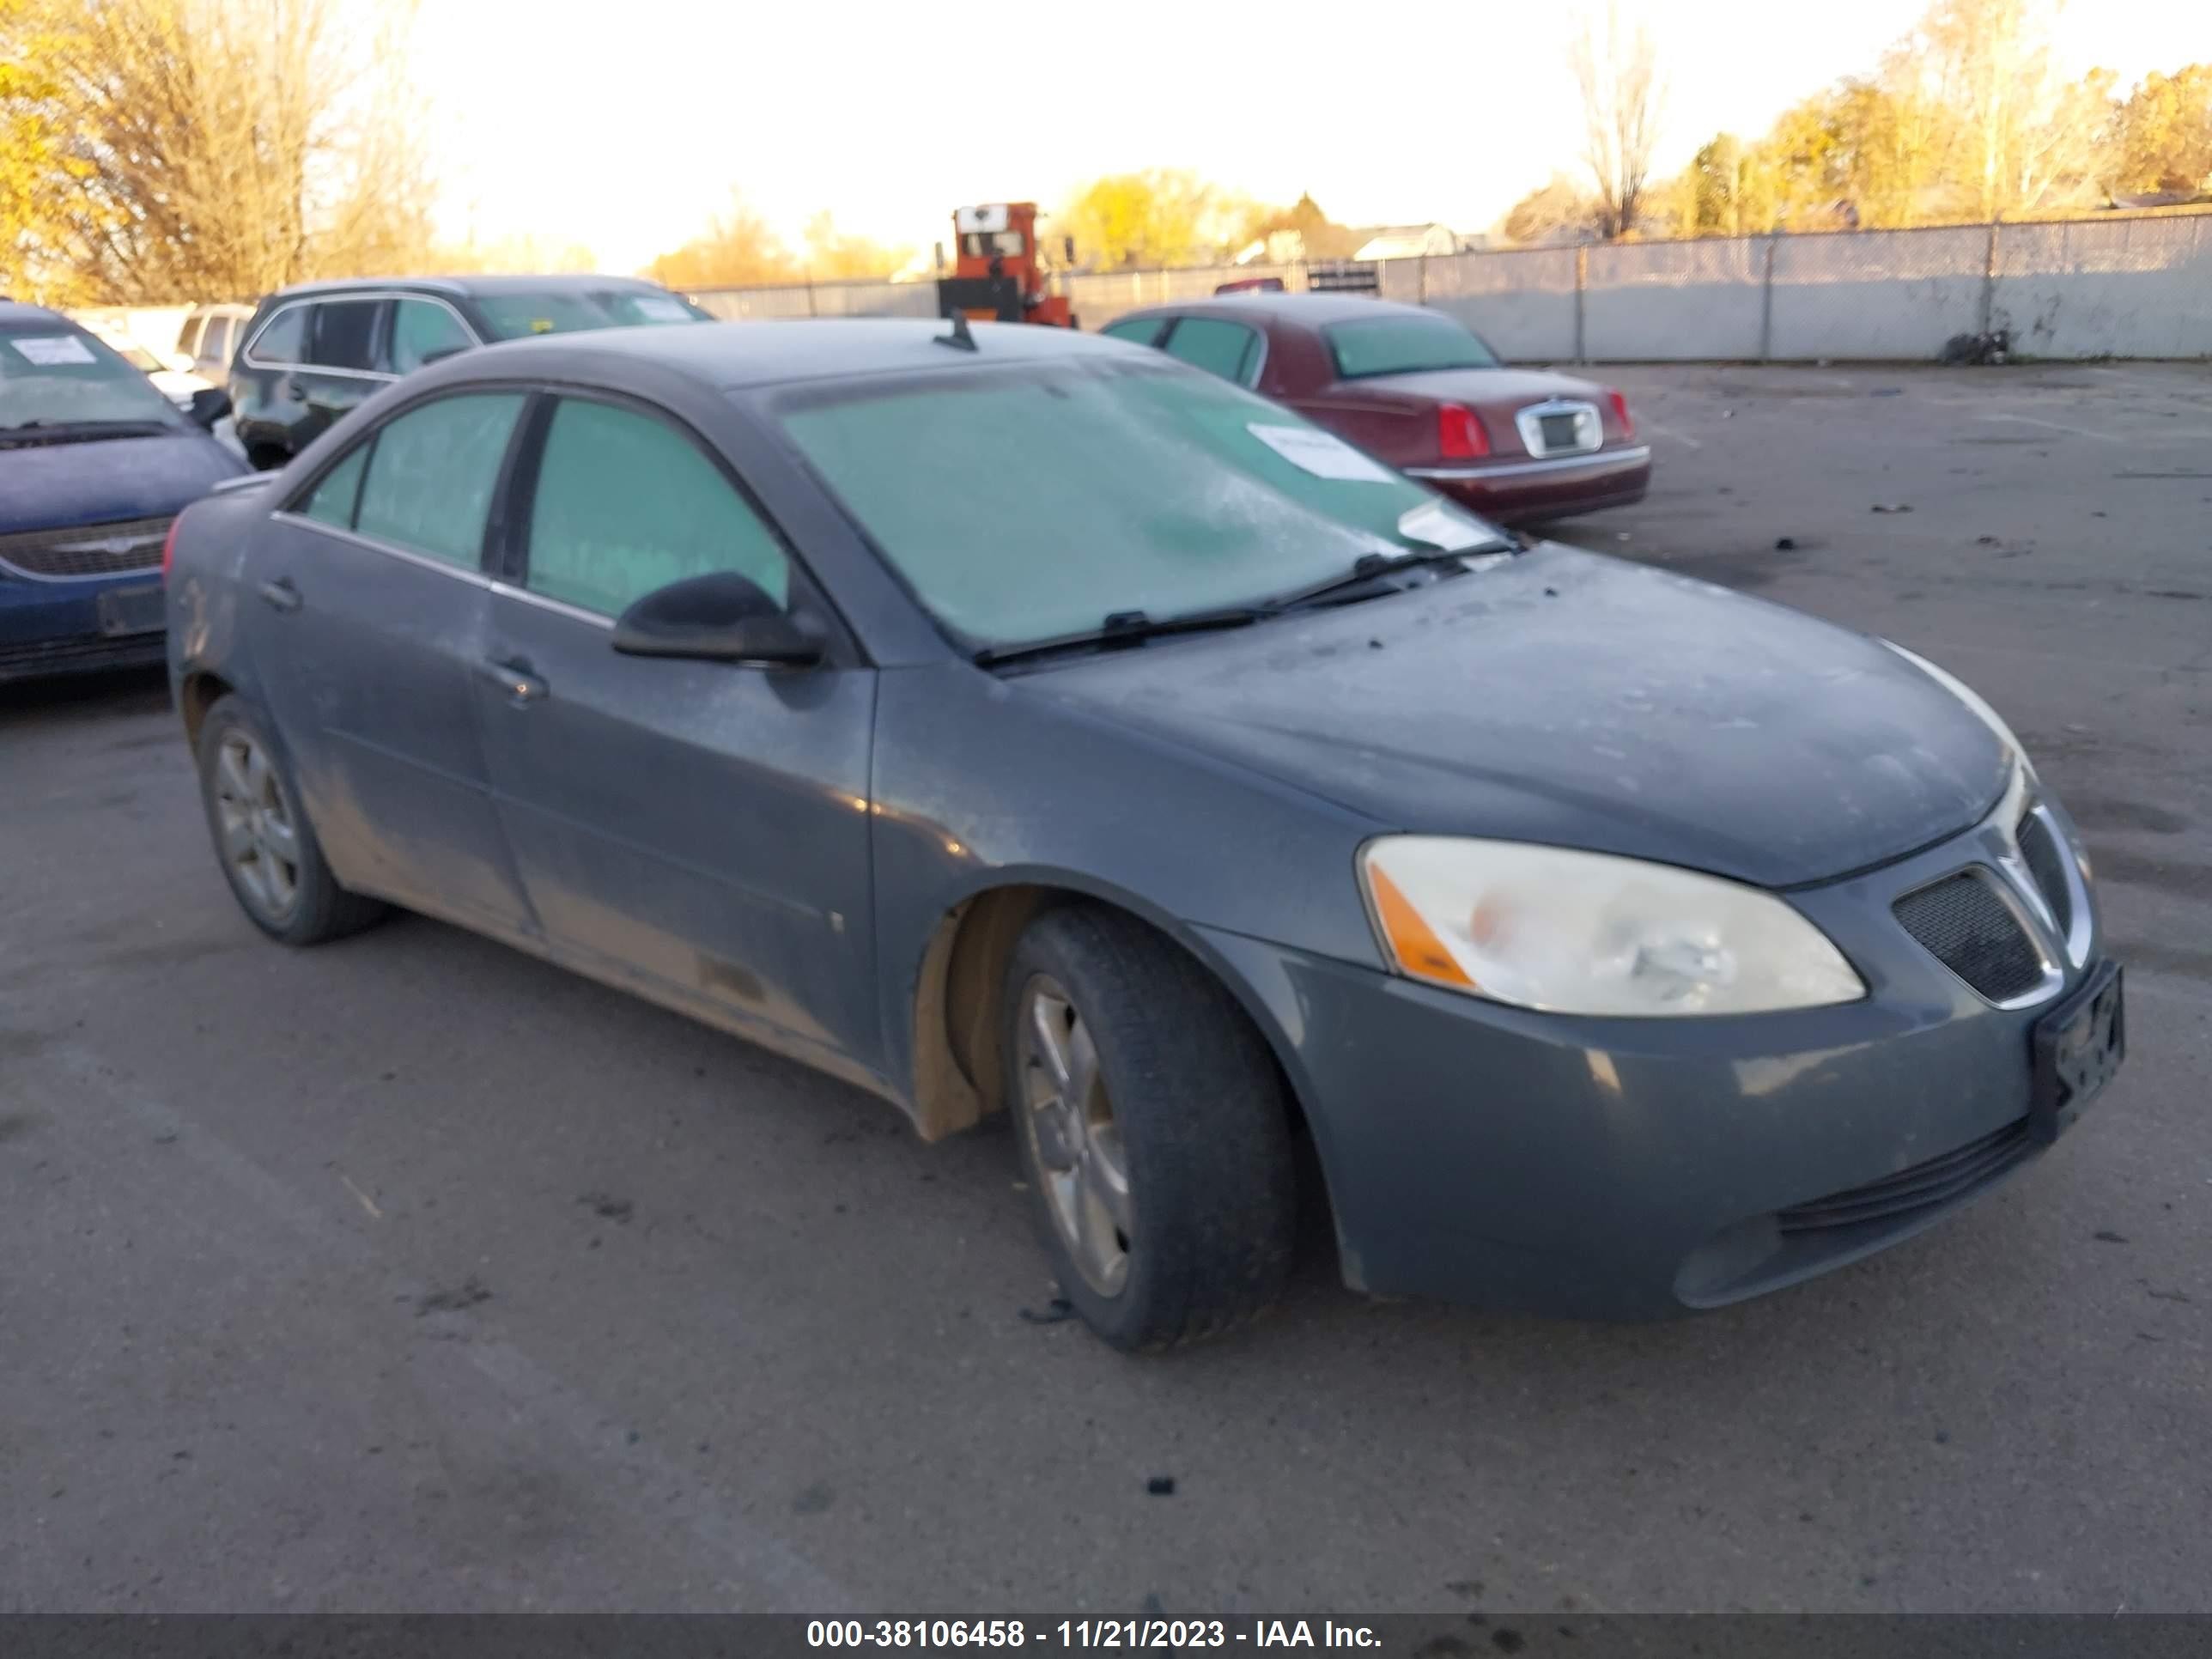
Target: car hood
108,480
1576,701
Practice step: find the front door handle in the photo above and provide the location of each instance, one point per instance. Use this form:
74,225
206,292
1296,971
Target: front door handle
280,594
517,679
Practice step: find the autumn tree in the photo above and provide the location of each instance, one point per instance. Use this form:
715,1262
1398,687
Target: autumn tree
2163,133
739,248
1321,236
201,148
832,255
1618,77
1559,210
1161,217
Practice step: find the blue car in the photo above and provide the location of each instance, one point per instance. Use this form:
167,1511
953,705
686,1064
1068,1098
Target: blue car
95,464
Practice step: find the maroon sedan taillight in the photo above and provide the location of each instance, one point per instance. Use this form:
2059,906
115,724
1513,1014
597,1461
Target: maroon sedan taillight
1459,435
1621,409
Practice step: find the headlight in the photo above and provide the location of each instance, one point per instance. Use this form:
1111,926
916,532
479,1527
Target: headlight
1968,696
1590,933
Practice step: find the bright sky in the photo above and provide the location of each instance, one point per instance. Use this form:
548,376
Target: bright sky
624,131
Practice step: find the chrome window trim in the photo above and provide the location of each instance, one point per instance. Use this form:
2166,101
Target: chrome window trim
475,578
1529,417
245,353
1633,455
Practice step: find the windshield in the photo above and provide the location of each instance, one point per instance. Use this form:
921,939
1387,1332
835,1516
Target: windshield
513,316
1403,345
1035,500
61,376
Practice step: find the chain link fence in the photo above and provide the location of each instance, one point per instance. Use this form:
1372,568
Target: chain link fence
2132,286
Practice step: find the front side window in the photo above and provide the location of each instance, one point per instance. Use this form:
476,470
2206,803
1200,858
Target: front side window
432,473
515,316
1229,350
422,331
1036,499
1403,343
626,504
284,339
55,374
333,501
216,345
344,333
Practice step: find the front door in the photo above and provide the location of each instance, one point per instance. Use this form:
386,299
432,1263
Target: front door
368,607
702,824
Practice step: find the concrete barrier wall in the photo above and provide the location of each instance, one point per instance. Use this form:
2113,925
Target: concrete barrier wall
1674,300
2139,287
2120,286
1522,301
1882,294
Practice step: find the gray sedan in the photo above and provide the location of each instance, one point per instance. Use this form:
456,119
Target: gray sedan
1022,721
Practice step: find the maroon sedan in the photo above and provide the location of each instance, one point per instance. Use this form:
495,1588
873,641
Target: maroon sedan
1417,391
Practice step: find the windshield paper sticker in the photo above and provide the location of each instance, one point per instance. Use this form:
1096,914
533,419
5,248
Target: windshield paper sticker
1439,526
50,350
1321,455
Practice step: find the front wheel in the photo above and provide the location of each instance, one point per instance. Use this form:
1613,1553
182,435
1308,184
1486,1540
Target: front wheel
1152,1128
267,848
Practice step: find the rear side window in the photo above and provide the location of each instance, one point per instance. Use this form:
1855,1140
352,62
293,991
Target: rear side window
333,499
283,338
1402,343
627,504
188,337
344,334
422,330
1229,350
1142,330
432,473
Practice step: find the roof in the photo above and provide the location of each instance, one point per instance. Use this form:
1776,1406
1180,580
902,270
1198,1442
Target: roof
733,354
1405,241
563,283
1313,310
14,311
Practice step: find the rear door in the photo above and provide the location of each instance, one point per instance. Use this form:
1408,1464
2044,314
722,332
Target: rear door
341,371
368,608
702,824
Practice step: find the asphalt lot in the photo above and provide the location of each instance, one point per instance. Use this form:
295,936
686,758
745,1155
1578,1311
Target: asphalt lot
412,1273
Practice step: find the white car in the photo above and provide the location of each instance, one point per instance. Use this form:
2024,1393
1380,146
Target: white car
171,376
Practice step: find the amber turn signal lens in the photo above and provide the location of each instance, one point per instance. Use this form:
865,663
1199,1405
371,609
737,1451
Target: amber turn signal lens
1412,941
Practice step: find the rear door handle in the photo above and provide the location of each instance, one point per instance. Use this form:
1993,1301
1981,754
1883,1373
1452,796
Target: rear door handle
517,679
280,594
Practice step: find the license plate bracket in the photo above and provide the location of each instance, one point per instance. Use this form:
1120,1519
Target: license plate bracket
137,609
2077,1049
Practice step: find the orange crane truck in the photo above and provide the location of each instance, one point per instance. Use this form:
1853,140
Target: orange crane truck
996,277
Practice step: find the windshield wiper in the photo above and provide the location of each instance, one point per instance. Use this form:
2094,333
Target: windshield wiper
1370,567
1126,627
63,430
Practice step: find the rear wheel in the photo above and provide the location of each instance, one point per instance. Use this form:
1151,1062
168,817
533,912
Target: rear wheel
266,846
1152,1128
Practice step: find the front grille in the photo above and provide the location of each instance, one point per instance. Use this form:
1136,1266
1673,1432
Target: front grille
1923,1185
91,550
2039,846
1970,931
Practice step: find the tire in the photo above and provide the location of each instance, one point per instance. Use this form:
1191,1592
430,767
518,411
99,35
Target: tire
1188,1111
252,805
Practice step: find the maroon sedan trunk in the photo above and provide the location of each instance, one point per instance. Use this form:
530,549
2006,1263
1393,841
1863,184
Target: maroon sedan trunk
1516,445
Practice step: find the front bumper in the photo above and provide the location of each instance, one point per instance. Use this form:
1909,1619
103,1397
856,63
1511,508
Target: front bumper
1524,491
49,627
1642,1168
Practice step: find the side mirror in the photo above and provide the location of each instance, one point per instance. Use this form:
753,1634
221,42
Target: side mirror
210,405
719,617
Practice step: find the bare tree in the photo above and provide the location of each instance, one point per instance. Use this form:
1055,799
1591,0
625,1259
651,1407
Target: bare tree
1618,76
224,148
